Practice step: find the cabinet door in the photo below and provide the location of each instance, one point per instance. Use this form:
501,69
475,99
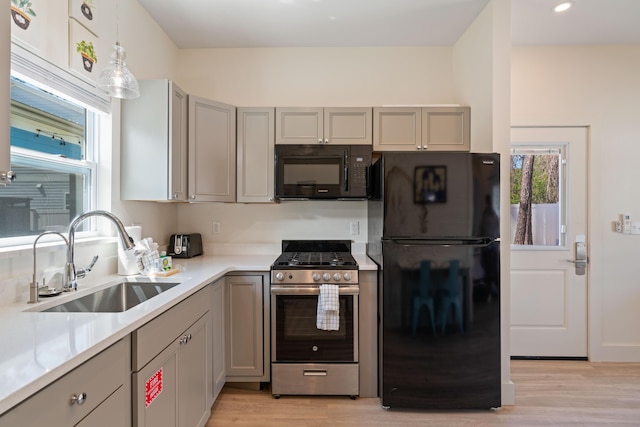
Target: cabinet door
397,129
218,336
153,147
178,158
446,128
299,126
212,151
193,371
256,136
244,320
155,390
348,126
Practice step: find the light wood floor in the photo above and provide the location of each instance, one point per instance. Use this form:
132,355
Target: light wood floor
549,393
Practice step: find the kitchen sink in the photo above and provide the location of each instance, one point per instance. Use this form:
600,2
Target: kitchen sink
116,298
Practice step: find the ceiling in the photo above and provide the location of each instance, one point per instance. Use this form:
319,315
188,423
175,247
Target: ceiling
357,23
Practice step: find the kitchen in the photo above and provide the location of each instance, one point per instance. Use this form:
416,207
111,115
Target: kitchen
395,72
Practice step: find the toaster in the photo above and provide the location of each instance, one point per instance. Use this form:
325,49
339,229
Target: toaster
185,245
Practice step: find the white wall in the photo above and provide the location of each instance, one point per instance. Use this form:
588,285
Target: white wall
596,86
150,55
305,77
481,63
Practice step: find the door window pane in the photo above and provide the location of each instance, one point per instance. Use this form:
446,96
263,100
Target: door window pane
537,196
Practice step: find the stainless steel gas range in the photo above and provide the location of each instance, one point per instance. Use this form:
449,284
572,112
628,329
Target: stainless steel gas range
306,359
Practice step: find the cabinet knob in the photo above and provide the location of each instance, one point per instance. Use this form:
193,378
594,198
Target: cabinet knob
418,148
193,197
326,140
320,141
78,399
174,196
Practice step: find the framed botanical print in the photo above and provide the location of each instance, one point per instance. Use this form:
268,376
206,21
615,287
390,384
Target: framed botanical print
88,14
83,55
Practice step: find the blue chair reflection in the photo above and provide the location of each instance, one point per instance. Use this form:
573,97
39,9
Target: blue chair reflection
449,297
425,297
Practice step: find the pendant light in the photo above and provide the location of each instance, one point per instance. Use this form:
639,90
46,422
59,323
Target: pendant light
116,79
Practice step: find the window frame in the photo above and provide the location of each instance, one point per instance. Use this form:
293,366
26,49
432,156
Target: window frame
43,75
561,149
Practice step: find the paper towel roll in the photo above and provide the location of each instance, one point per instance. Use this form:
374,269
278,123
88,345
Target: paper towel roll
126,259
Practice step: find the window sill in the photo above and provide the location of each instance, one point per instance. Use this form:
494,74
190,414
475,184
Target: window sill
54,243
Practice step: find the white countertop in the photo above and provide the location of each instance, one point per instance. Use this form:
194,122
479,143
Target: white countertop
38,348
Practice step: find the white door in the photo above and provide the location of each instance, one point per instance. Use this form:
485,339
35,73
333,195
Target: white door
548,292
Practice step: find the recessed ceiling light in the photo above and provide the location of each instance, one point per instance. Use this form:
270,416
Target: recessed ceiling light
564,6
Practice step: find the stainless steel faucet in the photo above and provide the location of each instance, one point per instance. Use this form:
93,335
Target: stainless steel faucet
71,273
33,288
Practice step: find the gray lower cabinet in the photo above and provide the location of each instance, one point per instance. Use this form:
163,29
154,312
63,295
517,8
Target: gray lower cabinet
218,337
368,332
97,393
171,369
247,325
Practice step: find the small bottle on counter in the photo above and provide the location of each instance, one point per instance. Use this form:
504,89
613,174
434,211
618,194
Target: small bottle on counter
165,262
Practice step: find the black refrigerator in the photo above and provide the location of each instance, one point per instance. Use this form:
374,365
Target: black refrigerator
433,229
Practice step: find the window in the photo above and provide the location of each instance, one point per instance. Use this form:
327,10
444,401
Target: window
538,212
52,154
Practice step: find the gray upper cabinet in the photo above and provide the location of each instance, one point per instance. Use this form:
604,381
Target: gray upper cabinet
421,128
255,155
397,129
153,159
212,151
346,125
446,128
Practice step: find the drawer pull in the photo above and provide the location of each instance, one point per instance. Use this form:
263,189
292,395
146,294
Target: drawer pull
78,399
314,373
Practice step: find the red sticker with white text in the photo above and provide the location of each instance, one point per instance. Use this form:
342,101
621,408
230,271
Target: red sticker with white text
153,388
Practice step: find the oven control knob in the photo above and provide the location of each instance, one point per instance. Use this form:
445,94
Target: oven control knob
346,276
326,277
315,277
279,276
337,277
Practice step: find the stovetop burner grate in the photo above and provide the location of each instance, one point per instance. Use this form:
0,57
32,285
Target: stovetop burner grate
300,254
311,259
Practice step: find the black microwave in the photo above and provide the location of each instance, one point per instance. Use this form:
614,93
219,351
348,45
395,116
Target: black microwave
322,171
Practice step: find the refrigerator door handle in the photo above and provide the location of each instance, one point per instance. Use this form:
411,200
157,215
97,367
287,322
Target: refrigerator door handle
475,241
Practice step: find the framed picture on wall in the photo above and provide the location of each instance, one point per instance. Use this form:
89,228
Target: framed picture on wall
87,14
430,184
83,47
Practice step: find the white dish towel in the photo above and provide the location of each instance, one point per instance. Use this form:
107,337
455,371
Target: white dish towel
328,313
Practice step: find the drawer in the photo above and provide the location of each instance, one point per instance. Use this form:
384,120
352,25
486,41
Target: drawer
155,336
316,378
99,378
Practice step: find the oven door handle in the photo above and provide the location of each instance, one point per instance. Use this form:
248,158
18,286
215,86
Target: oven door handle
310,290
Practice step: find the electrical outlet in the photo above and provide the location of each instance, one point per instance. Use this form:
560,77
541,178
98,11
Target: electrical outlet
216,227
354,227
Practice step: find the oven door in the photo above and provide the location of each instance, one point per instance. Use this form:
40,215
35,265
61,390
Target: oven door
295,337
